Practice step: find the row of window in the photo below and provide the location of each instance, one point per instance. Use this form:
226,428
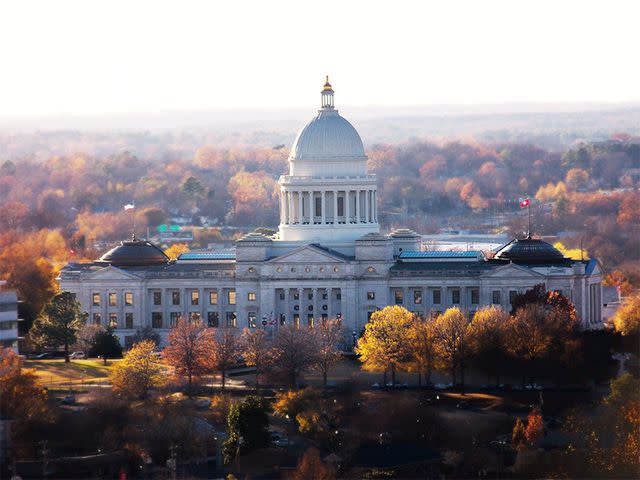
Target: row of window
112,298
496,296
324,296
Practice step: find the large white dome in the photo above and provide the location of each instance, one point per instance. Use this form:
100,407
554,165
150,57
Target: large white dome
328,136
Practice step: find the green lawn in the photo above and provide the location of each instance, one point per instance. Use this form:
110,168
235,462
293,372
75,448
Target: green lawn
57,372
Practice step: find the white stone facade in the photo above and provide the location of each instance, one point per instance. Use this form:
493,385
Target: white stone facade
328,260
8,318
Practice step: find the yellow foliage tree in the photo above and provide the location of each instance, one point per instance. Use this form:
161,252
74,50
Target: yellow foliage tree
138,372
175,250
423,347
573,253
385,344
450,333
627,318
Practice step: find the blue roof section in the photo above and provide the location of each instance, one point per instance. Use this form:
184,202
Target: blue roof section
590,266
440,254
207,256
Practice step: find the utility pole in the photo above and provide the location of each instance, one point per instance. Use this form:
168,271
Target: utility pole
44,451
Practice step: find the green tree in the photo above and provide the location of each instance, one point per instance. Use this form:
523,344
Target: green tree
247,427
59,323
105,344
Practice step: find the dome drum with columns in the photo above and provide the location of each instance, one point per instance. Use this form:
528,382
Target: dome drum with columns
328,194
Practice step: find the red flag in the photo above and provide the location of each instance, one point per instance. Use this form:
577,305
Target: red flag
524,203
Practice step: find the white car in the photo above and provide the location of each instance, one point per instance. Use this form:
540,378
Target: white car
77,356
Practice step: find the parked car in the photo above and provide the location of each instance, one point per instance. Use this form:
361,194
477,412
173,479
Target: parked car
77,356
42,356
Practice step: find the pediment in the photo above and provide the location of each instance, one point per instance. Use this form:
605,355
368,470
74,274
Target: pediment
112,273
511,270
308,254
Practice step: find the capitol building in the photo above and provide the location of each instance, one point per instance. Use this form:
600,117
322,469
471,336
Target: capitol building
327,260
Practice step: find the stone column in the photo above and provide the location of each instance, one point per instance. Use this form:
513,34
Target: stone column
287,307
347,218
329,303
375,206
286,207
300,305
367,216
335,207
299,207
316,315
357,206
323,207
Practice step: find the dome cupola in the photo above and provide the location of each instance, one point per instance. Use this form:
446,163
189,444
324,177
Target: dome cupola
134,253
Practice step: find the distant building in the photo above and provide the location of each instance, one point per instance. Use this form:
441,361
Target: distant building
8,317
327,260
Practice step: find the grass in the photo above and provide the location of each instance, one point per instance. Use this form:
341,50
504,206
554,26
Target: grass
57,372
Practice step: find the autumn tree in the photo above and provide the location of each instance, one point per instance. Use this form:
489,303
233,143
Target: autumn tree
311,466
59,323
293,353
626,321
423,347
175,250
327,338
528,339
450,332
139,371
385,344
256,349
20,395
487,334
535,427
226,348
191,351
518,437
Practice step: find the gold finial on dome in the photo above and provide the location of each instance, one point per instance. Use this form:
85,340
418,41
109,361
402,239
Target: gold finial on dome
327,85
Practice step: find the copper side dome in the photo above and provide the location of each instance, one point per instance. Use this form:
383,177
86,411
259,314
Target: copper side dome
134,253
529,250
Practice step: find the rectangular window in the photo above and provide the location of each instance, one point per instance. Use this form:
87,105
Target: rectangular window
231,319
113,320
325,319
174,318
281,296
175,297
195,297
512,296
296,320
194,318
95,297
232,297
213,297
310,295
318,201
371,295
97,318
251,296
157,298
310,320
296,296
437,297
417,297
398,297
213,319
475,296
128,320
340,206
252,320
156,319
339,296
128,299
369,315
455,297
495,297
113,300
325,296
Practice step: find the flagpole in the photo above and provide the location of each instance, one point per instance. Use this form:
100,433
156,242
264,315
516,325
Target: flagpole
529,215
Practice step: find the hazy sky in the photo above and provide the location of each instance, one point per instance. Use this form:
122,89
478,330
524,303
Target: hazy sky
124,56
